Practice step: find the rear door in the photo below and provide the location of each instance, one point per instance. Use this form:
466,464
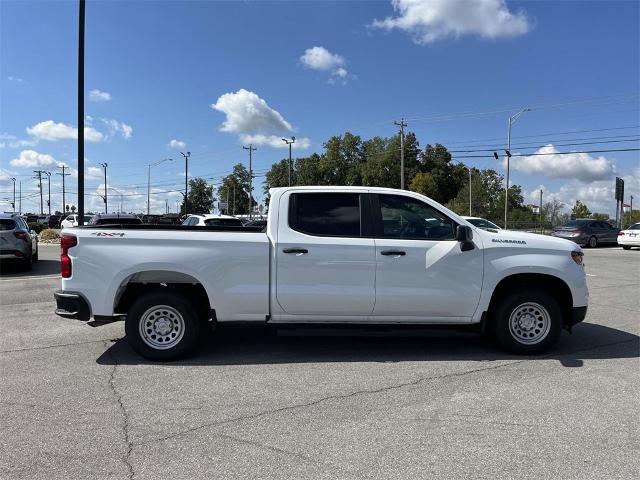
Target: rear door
325,265
421,271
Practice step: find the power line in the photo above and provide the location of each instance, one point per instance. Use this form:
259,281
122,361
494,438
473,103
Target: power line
636,139
554,153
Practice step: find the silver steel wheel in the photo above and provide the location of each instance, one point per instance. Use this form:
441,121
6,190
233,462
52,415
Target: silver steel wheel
529,323
161,327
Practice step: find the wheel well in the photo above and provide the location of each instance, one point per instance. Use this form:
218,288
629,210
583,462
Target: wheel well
195,292
553,285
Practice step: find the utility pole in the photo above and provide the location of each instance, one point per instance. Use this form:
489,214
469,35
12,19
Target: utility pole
469,168
20,204
39,173
64,205
541,210
13,205
48,174
290,143
186,177
106,203
630,209
234,198
512,120
81,24
251,148
401,124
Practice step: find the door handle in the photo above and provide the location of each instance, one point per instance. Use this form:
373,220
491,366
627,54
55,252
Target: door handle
393,253
297,251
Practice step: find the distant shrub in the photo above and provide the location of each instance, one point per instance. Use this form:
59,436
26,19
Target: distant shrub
49,234
37,227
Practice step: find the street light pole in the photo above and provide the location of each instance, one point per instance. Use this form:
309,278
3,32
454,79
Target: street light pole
512,120
186,178
13,205
251,148
49,190
289,142
106,202
149,180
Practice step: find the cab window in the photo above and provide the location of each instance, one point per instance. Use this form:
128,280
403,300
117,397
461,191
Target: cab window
409,218
325,214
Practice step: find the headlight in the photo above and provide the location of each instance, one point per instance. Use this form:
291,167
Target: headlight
577,257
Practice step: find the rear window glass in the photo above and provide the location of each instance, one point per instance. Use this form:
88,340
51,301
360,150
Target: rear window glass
635,226
223,222
7,225
326,214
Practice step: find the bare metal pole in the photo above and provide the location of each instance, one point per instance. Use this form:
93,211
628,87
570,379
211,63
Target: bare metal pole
401,124
81,24
48,174
290,143
186,178
512,120
13,205
149,180
251,148
39,173
106,201
469,168
63,167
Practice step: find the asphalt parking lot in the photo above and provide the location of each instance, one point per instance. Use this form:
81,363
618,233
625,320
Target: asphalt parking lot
77,403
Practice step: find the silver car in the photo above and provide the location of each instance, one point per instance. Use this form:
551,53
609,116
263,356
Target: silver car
17,242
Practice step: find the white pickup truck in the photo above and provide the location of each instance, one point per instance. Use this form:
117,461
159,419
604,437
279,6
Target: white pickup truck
351,255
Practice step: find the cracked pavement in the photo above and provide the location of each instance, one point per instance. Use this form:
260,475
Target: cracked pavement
77,402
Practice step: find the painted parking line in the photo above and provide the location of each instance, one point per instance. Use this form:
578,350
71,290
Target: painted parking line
39,277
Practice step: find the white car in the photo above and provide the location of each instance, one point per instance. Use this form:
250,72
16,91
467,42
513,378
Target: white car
482,223
350,255
212,220
630,237
72,221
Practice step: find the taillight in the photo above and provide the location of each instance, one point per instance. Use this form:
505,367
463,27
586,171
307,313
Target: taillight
620,234
66,242
21,236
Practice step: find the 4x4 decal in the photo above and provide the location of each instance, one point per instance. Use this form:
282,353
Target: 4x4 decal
107,234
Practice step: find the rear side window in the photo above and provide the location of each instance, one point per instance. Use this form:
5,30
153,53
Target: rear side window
6,224
325,214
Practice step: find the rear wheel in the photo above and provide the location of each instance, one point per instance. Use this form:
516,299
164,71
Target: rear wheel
27,263
162,325
593,241
626,247
527,322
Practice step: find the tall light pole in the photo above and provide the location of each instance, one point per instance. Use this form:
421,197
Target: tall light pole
512,120
401,124
251,148
48,174
290,143
81,28
119,193
106,204
149,180
13,205
186,178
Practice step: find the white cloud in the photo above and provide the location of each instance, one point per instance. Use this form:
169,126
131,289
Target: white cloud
321,59
275,141
118,127
11,141
430,20
11,78
95,172
177,144
31,158
248,113
582,166
49,130
99,96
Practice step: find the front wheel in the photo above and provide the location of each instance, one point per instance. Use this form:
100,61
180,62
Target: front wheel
626,247
527,322
593,242
162,325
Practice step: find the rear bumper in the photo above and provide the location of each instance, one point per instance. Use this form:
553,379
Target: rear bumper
72,305
7,254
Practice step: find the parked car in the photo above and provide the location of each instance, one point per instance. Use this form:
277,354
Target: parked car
115,219
354,255
630,237
170,219
213,220
17,242
482,223
72,221
587,232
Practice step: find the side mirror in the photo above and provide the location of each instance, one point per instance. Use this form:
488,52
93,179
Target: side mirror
32,233
464,235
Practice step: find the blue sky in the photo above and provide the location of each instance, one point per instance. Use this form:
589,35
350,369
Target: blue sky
455,69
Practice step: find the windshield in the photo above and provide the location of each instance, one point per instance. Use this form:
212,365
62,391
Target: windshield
7,225
482,223
635,226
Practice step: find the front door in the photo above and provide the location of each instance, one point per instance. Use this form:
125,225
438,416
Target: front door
421,270
324,265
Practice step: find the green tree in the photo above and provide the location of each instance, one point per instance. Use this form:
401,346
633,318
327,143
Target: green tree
200,199
449,179
580,210
234,189
424,183
600,216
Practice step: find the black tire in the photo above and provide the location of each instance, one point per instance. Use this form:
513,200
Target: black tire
178,307
593,241
35,255
522,304
27,263
626,247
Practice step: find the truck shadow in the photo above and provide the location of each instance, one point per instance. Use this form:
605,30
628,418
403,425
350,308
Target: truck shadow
258,345
9,269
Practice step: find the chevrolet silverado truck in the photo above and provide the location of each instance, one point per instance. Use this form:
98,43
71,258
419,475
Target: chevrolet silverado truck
328,255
